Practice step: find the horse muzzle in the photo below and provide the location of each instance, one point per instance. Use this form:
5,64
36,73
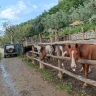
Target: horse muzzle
74,69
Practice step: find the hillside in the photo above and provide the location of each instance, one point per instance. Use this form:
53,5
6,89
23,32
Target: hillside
59,17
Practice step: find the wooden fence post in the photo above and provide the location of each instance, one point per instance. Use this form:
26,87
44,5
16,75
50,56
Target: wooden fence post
69,37
33,55
60,74
82,33
64,37
41,65
56,36
26,43
51,39
40,37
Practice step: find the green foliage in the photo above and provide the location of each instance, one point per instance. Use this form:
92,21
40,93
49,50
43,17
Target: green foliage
64,86
66,5
92,20
75,29
83,12
39,70
20,57
30,64
53,10
88,27
46,75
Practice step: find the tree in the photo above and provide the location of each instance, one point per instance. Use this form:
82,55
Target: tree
9,29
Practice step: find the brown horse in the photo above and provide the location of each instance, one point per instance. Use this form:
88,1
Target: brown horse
46,50
82,51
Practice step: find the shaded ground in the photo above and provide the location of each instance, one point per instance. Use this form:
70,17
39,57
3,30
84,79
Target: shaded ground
18,79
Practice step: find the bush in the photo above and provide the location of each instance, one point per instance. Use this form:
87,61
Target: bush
92,20
76,29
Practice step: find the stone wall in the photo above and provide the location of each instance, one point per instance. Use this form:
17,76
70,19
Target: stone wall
79,36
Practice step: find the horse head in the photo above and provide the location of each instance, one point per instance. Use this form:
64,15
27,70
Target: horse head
74,55
42,53
45,51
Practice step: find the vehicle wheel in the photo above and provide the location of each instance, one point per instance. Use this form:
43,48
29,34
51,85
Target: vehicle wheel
10,50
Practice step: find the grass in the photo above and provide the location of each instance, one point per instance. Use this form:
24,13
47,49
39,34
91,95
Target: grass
46,75
30,64
64,86
23,58
39,70
20,57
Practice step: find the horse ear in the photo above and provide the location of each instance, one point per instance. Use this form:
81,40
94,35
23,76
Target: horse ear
69,46
76,45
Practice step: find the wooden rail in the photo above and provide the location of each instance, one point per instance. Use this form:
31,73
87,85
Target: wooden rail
85,61
71,42
34,52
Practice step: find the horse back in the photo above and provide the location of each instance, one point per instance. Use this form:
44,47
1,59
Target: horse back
87,51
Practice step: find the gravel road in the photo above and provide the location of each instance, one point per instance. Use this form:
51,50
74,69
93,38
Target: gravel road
18,79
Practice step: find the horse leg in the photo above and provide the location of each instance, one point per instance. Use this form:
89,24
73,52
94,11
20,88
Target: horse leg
83,67
89,69
86,73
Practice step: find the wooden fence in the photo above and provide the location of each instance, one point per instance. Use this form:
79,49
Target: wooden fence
63,70
58,57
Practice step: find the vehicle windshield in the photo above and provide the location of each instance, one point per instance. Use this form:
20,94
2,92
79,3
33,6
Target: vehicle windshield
10,46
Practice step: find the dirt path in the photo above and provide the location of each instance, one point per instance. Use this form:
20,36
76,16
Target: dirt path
18,79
